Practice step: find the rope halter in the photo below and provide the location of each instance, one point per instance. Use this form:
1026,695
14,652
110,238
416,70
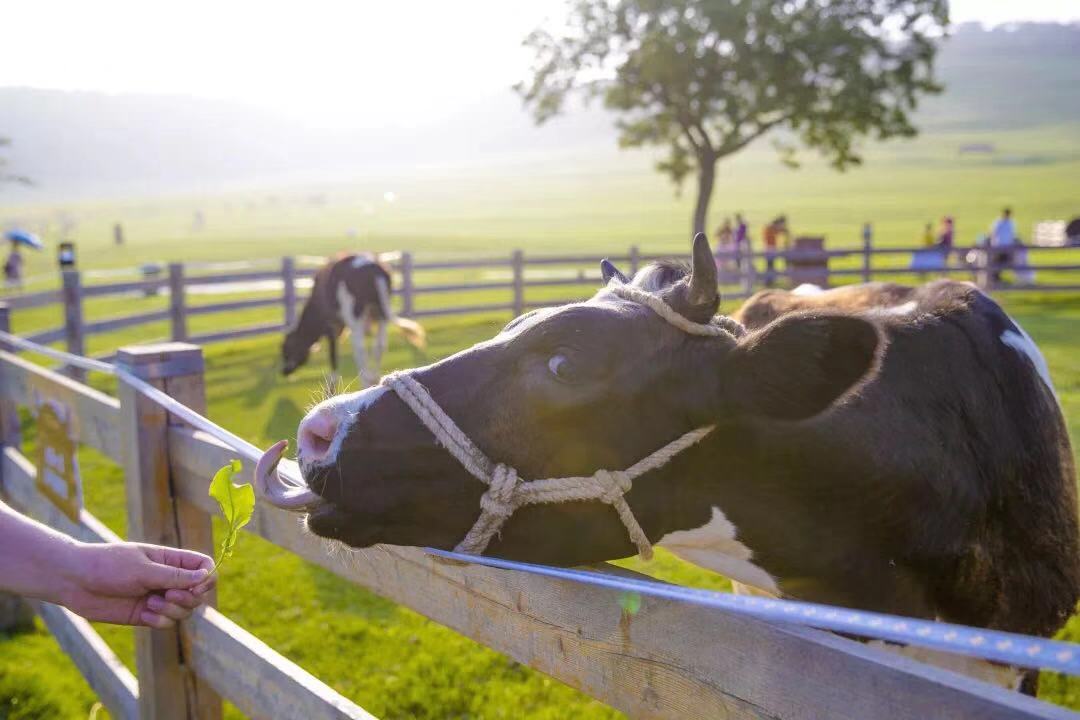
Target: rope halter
507,491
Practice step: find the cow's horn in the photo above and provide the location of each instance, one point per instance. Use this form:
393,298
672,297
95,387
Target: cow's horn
703,275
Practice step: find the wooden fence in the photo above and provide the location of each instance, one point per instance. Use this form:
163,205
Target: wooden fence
668,660
740,276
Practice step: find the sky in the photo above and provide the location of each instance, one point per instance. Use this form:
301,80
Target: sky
357,63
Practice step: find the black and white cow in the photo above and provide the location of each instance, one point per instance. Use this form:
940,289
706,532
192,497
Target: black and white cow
351,291
893,449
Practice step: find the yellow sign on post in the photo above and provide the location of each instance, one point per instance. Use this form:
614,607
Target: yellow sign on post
57,463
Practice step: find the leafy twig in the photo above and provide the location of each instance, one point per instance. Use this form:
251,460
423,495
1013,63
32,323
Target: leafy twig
237,504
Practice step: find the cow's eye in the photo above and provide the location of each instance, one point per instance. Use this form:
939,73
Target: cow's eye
561,367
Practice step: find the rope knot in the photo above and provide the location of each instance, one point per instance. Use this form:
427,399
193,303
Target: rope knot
614,484
499,498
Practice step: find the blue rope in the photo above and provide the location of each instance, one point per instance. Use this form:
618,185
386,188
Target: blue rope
1003,647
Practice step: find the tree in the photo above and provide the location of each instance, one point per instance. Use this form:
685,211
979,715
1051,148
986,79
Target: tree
6,176
705,78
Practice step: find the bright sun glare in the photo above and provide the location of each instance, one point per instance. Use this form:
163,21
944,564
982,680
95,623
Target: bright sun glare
328,63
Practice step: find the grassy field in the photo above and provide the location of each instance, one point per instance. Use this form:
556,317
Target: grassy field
389,660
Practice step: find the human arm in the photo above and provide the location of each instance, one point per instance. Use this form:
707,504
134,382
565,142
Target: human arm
123,583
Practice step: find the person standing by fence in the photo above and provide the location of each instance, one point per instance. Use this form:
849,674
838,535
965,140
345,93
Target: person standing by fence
13,267
724,246
1003,241
771,238
742,242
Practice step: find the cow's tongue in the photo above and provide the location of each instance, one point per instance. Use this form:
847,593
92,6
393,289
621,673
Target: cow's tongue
280,483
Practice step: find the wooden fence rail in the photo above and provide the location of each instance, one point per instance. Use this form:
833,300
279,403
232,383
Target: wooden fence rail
741,274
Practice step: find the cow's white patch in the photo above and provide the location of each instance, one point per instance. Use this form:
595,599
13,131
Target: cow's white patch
714,546
361,261
807,289
894,311
347,308
1022,342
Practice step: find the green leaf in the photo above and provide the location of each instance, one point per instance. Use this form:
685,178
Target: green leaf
237,503
630,602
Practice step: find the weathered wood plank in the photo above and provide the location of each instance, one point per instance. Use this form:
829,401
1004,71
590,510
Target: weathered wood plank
464,310
109,678
147,287
74,335
502,261
462,287
667,661
260,682
96,415
234,305
221,278
47,337
167,690
249,331
34,299
119,323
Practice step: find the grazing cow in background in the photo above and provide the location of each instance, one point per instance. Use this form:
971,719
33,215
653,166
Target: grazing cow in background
891,449
350,291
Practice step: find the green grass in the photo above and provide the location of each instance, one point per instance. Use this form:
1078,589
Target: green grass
389,660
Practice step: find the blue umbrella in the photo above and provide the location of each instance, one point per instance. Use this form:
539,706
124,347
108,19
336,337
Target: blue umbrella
25,237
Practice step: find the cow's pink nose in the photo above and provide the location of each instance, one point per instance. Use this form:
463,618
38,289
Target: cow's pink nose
316,433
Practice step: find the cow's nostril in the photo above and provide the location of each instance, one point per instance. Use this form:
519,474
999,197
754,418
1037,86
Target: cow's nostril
316,434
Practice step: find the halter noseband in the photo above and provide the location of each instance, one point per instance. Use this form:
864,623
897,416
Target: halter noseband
507,491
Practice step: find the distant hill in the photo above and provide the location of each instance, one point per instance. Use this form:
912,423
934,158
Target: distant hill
94,144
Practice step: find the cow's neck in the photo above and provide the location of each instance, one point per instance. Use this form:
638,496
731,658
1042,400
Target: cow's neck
312,325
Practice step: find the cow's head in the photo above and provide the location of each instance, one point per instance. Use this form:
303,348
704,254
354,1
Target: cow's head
564,392
294,352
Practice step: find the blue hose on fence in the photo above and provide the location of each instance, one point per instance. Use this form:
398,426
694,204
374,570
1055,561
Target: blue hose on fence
1003,647
995,645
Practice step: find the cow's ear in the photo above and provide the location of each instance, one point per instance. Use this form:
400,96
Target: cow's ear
799,365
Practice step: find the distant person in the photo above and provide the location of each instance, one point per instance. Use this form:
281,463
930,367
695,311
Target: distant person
742,242
867,234
13,267
1003,240
118,234
725,237
771,240
946,237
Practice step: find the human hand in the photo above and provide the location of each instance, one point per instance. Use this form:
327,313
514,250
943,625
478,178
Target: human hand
134,583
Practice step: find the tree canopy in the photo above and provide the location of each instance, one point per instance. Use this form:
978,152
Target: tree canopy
705,78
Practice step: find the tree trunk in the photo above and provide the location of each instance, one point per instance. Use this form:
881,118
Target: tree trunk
706,178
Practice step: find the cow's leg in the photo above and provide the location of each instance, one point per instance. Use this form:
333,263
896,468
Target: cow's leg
331,343
377,350
360,353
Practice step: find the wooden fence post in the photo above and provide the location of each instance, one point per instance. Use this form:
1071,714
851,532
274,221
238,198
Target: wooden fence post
177,302
73,319
407,287
15,614
517,263
168,688
288,277
866,255
635,260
